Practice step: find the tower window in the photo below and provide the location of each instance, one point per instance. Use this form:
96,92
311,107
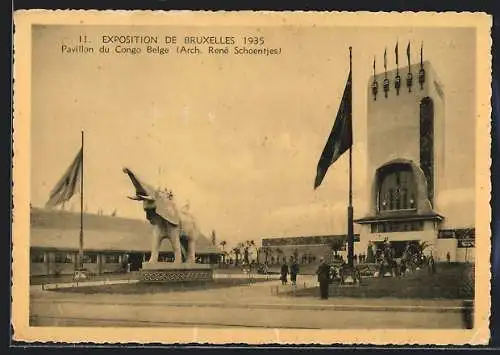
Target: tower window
427,143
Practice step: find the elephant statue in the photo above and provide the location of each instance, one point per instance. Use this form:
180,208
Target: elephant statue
168,222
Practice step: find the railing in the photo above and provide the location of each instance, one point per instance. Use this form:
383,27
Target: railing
291,289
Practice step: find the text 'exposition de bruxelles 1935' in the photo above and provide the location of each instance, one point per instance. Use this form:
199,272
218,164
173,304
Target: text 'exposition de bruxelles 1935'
164,45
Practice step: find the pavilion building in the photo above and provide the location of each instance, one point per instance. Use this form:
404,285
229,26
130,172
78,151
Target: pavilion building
111,243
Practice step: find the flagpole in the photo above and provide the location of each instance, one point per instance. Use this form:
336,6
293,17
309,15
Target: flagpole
350,227
80,250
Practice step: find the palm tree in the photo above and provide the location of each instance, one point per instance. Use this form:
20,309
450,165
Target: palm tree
223,244
237,252
247,244
422,246
230,256
214,238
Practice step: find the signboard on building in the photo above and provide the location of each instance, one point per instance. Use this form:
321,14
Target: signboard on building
466,243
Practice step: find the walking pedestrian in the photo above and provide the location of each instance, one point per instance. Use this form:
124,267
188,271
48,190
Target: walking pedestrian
284,273
431,265
294,270
323,278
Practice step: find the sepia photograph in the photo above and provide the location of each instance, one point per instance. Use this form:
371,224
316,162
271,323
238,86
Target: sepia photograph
252,177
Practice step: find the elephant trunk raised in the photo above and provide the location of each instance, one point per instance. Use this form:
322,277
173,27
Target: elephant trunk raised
167,221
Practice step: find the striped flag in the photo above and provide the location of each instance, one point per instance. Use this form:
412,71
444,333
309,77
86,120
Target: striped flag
69,183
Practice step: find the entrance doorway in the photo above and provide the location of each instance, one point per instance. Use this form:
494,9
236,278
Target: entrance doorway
398,246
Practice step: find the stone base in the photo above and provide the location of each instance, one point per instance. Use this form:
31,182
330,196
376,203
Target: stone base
170,272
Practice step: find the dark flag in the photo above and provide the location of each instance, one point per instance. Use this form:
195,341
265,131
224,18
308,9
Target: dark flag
422,54
408,53
397,54
340,139
68,184
385,59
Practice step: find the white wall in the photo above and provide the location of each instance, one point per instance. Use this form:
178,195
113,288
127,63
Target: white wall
443,246
466,255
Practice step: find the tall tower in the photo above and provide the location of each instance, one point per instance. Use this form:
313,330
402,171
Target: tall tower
405,156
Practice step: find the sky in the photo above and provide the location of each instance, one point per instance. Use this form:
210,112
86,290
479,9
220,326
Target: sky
239,137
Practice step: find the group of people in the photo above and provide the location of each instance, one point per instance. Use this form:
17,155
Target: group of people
293,270
323,273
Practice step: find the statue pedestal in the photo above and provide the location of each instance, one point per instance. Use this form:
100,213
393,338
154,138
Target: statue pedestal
170,272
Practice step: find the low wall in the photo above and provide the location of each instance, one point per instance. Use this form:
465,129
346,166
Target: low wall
444,246
466,255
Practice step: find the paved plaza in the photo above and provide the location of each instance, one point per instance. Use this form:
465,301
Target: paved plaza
262,304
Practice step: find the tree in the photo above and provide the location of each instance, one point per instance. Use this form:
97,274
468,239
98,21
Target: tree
422,246
214,238
370,255
223,244
246,247
237,252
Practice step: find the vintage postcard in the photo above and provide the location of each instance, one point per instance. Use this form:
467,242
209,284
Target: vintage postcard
251,177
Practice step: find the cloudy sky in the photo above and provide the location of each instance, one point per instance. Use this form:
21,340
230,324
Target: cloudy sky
237,137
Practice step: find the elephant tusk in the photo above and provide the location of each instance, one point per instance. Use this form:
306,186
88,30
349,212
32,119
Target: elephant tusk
134,198
141,198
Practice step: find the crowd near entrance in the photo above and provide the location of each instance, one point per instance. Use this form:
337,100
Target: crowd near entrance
397,247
